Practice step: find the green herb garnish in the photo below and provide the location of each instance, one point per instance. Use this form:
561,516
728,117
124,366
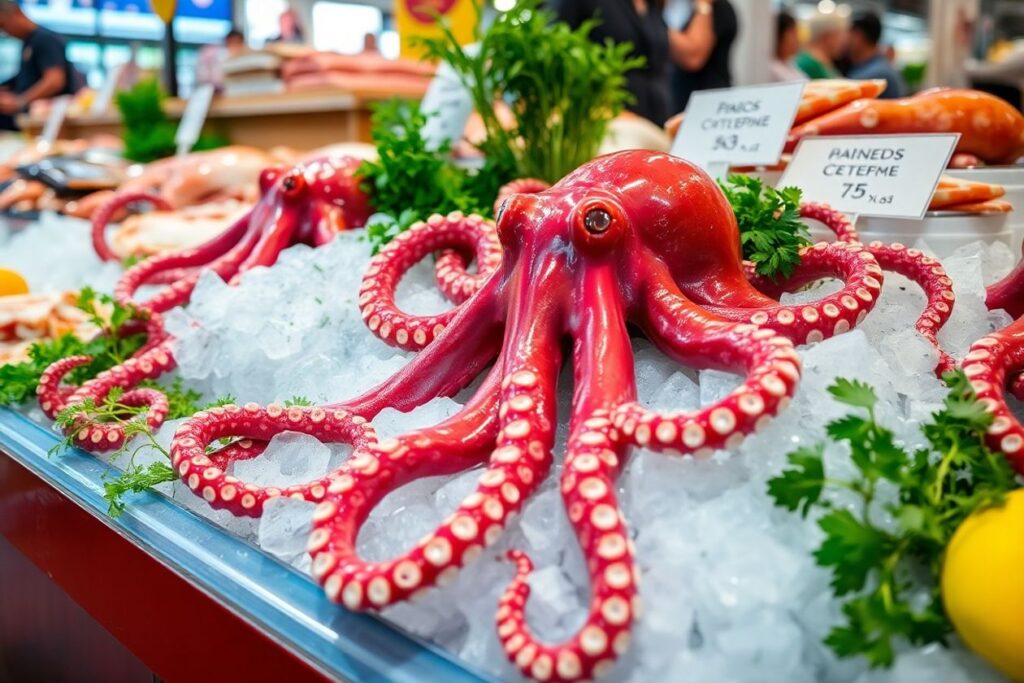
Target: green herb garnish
409,181
563,89
877,569
771,232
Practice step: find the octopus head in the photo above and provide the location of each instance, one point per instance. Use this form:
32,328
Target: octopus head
631,205
326,190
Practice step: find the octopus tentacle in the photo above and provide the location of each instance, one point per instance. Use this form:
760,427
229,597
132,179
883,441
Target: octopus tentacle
206,474
377,293
53,396
833,314
456,282
688,334
223,255
603,369
101,436
912,264
929,274
1008,293
519,186
455,445
103,215
988,364
588,489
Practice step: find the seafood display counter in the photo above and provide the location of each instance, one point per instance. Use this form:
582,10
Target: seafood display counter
164,581
303,120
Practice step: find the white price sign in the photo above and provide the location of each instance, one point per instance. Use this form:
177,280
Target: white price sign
54,122
447,105
193,118
742,126
105,96
871,175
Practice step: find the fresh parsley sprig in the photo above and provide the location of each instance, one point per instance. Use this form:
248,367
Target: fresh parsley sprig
409,180
877,570
771,232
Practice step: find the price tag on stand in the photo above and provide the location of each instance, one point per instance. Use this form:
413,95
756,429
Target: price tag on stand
871,175
744,126
105,96
447,105
54,122
193,119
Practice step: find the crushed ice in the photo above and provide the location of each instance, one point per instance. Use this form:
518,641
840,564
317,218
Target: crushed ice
729,585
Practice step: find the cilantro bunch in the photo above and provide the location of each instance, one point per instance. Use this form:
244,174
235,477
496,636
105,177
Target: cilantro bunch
771,232
876,569
409,180
112,346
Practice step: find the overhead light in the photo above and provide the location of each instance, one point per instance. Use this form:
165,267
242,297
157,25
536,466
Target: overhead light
826,6
504,5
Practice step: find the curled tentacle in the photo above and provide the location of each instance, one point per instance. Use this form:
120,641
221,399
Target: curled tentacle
206,474
223,255
991,360
772,365
103,215
1008,293
927,272
101,436
515,469
377,293
588,488
482,246
833,314
520,186
53,396
836,221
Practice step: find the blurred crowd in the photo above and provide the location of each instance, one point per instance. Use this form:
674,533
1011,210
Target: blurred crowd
687,46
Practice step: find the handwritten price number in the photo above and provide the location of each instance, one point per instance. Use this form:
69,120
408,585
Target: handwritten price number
725,143
854,190
860,190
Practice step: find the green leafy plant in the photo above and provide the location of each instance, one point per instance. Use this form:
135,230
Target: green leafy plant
562,88
18,381
771,232
147,130
409,180
877,569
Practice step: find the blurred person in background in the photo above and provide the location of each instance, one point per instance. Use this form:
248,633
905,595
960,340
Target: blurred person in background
210,62
868,59
787,45
700,50
826,44
638,22
44,72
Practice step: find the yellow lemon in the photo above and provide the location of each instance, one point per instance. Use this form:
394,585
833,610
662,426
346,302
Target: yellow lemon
983,584
12,283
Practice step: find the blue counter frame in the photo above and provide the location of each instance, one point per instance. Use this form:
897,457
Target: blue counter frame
273,597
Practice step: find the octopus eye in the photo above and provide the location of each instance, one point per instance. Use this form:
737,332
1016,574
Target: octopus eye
597,221
293,183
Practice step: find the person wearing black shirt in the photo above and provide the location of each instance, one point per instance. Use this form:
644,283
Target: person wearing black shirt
638,22
45,70
705,65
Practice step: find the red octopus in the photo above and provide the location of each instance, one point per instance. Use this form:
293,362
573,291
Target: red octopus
995,363
308,204
634,237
